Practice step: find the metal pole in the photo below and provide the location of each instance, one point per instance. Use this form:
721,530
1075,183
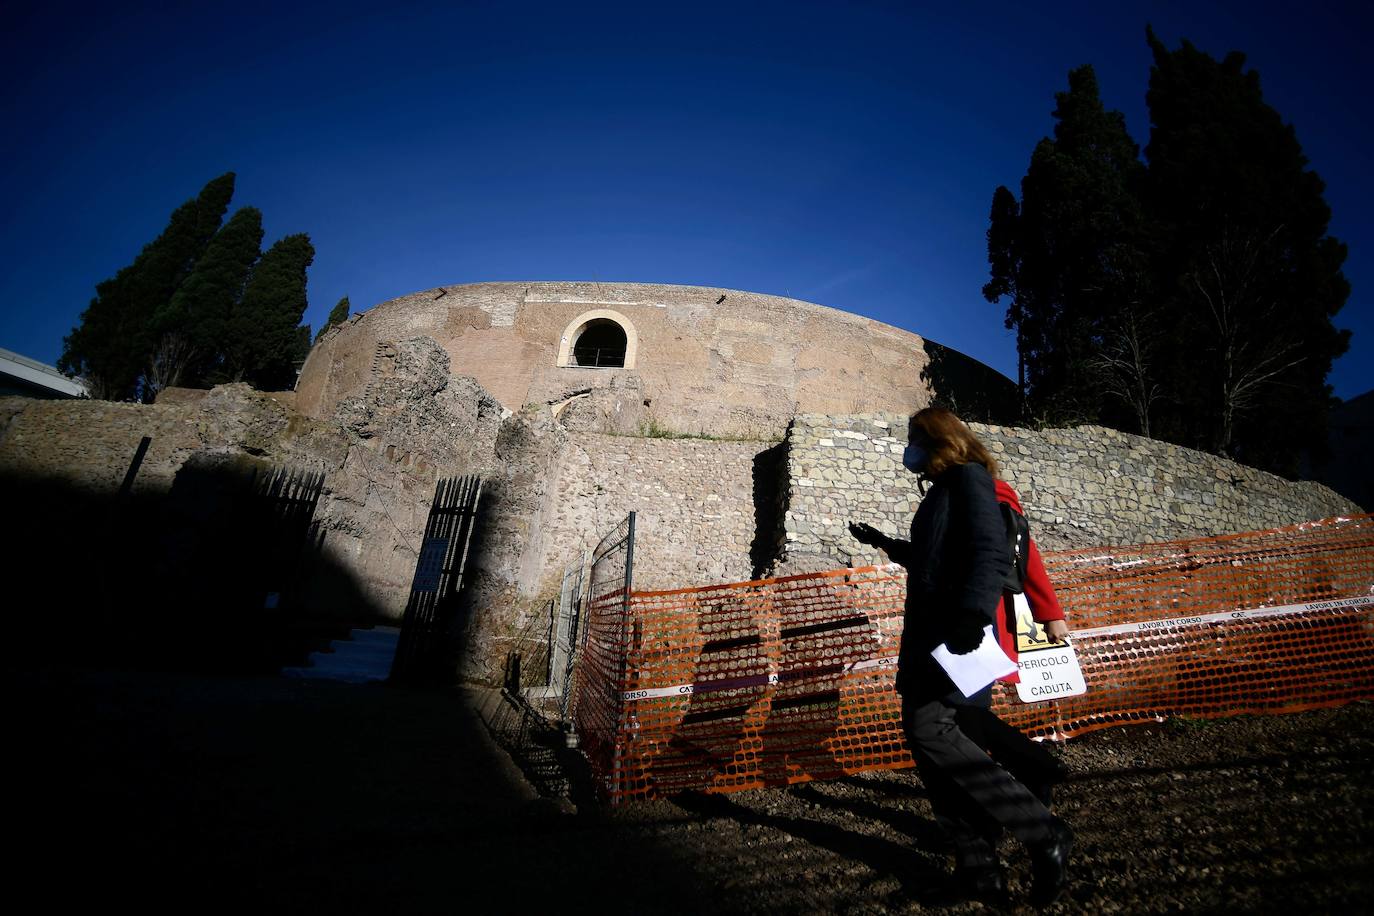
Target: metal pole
134,465
618,748
629,563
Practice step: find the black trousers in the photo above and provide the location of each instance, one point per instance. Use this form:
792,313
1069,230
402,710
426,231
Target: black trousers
972,797
1032,765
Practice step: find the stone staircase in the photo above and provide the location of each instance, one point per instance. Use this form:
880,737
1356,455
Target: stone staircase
363,656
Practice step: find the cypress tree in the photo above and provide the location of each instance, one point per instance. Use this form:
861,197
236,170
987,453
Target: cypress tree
96,349
1250,276
337,316
1191,296
114,341
263,330
300,351
1004,258
200,310
1069,256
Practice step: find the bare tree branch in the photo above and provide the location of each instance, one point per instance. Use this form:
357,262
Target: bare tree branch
171,358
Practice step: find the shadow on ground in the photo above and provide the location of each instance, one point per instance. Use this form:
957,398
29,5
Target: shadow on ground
214,574
181,792
189,792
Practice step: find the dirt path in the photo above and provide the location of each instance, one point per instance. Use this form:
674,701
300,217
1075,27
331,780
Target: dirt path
183,792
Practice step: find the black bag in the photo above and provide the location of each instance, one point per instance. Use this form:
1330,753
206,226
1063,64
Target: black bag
1018,548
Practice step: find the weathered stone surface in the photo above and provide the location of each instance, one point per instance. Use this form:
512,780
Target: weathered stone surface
708,360
504,578
619,408
1088,486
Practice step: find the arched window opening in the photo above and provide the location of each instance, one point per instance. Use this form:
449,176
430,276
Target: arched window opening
600,338
602,344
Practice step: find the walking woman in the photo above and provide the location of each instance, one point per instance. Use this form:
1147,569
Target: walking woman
956,564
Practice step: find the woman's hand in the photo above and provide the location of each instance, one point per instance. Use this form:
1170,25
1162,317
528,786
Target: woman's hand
866,534
1057,630
965,632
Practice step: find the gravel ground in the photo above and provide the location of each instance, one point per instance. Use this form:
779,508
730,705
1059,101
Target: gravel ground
178,792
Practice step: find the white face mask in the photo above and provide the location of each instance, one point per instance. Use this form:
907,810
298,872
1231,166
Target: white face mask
915,458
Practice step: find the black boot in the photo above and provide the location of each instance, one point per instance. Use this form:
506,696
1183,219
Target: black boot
978,873
1050,865
985,881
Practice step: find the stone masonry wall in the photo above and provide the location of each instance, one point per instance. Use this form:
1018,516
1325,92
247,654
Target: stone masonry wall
694,499
1080,487
88,444
560,491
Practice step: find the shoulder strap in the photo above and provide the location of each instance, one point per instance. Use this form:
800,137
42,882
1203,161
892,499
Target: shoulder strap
1018,549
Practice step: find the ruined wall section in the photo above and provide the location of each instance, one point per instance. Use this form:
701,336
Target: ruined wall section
1082,487
1110,487
711,361
382,454
842,469
504,595
340,364
89,444
414,423
559,491
694,499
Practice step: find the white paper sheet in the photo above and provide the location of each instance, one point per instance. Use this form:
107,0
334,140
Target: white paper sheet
975,670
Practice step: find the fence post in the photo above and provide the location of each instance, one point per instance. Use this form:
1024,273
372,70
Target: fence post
629,565
624,726
134,465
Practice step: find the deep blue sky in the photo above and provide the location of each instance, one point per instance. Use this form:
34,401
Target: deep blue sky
840,153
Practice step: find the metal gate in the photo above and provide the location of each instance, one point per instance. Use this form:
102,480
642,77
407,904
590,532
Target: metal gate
287,498
563,632
600,663
434,593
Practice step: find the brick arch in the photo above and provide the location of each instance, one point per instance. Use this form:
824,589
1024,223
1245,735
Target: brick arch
578,324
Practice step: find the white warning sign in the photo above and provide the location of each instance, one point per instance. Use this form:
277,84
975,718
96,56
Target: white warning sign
1049,670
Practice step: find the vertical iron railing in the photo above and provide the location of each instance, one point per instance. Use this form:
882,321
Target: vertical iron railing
438,583
563,632
598,671
612,565
119,507
287,499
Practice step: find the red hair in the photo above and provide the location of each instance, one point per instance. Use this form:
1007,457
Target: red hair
949,441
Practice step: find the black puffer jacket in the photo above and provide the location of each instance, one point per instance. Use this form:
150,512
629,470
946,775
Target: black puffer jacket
956,563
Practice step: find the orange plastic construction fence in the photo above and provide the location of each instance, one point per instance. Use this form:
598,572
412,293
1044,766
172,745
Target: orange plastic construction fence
738,686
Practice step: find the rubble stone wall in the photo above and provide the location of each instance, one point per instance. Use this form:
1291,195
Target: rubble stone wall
694,500
560,491
89,444
1081,487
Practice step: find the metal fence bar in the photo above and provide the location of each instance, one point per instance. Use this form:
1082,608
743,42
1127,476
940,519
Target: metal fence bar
563,633
287,499
440,572
599,357
127,486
